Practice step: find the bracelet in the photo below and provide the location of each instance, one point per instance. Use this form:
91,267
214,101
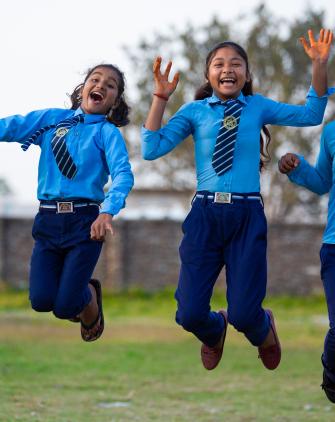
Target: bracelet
163,97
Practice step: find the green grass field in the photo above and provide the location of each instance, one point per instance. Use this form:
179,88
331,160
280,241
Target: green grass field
146,368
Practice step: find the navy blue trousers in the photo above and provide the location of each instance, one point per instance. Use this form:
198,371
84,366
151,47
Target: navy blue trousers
63,261
217,235
327,256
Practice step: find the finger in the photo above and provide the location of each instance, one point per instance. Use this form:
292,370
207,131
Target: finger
287,167
102,232
109,228
331,35
175,80
322,35
296,161
93,233
167,70
157,64
304,43
311,37
282,168
327,36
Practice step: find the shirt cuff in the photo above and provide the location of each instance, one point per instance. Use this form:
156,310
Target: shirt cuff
147,132
113,204
312,92
295,173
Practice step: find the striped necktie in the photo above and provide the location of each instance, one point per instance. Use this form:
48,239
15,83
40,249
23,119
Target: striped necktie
223,154
63,158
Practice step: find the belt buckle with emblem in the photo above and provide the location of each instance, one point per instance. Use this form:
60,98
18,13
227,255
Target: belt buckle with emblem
61,131
64,207
222,197
229,122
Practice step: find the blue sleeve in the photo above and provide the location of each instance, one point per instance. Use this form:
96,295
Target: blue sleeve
309,114
117,160
157,143
18,128
318,178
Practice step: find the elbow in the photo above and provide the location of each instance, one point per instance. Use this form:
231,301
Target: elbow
316,120
146,155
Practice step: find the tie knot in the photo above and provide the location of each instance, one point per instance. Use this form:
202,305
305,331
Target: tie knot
230,102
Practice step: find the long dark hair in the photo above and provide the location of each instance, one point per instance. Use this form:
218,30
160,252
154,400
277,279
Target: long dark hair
117,115
206,90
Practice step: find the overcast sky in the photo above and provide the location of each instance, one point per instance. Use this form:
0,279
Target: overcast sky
48,44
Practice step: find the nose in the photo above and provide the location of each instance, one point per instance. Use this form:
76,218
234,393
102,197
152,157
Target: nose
227,69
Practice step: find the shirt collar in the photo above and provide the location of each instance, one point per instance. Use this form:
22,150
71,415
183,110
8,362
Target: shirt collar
214,99
90,118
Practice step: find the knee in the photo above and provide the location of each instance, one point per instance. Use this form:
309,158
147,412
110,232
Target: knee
41,303
190,320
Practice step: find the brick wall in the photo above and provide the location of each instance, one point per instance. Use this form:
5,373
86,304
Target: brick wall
144,254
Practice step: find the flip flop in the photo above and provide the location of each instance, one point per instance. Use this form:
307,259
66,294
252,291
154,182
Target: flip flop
86,337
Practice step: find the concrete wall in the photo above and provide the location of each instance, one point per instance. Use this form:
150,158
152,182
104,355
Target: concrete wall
144,254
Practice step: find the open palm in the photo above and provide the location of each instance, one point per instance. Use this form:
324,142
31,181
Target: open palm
320,49
161,80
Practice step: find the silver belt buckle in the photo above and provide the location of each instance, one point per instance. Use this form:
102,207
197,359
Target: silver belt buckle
222,197
64,207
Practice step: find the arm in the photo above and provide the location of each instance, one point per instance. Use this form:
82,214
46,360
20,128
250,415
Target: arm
317,179
122,181
163,90
318,52
19,128
312,112
157,141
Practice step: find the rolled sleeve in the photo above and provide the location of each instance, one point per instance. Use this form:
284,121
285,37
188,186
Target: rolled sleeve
120,172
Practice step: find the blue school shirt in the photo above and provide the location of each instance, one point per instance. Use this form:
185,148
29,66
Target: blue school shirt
98,150
202,120
321,177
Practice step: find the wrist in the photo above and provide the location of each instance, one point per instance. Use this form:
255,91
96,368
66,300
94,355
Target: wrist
320,61
162,96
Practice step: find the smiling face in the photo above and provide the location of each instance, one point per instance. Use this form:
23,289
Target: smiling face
227,73
100,91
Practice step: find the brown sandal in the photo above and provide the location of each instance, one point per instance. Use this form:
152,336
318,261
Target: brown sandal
100,317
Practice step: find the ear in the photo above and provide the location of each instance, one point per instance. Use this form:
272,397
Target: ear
116,104
248,79
80,94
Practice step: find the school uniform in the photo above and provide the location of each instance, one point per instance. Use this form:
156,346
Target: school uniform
228,229
64,256
321,179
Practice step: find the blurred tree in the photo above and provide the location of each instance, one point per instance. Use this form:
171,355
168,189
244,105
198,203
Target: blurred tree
4,188
280,70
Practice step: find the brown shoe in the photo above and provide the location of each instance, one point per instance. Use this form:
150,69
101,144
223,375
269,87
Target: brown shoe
211,356
271,355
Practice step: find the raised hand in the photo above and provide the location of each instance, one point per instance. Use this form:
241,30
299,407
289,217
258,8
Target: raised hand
288,162
320,49
163,88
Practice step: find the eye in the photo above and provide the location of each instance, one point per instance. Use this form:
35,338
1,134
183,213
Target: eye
95,80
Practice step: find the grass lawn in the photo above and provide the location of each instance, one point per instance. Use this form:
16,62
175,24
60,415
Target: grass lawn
146,368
